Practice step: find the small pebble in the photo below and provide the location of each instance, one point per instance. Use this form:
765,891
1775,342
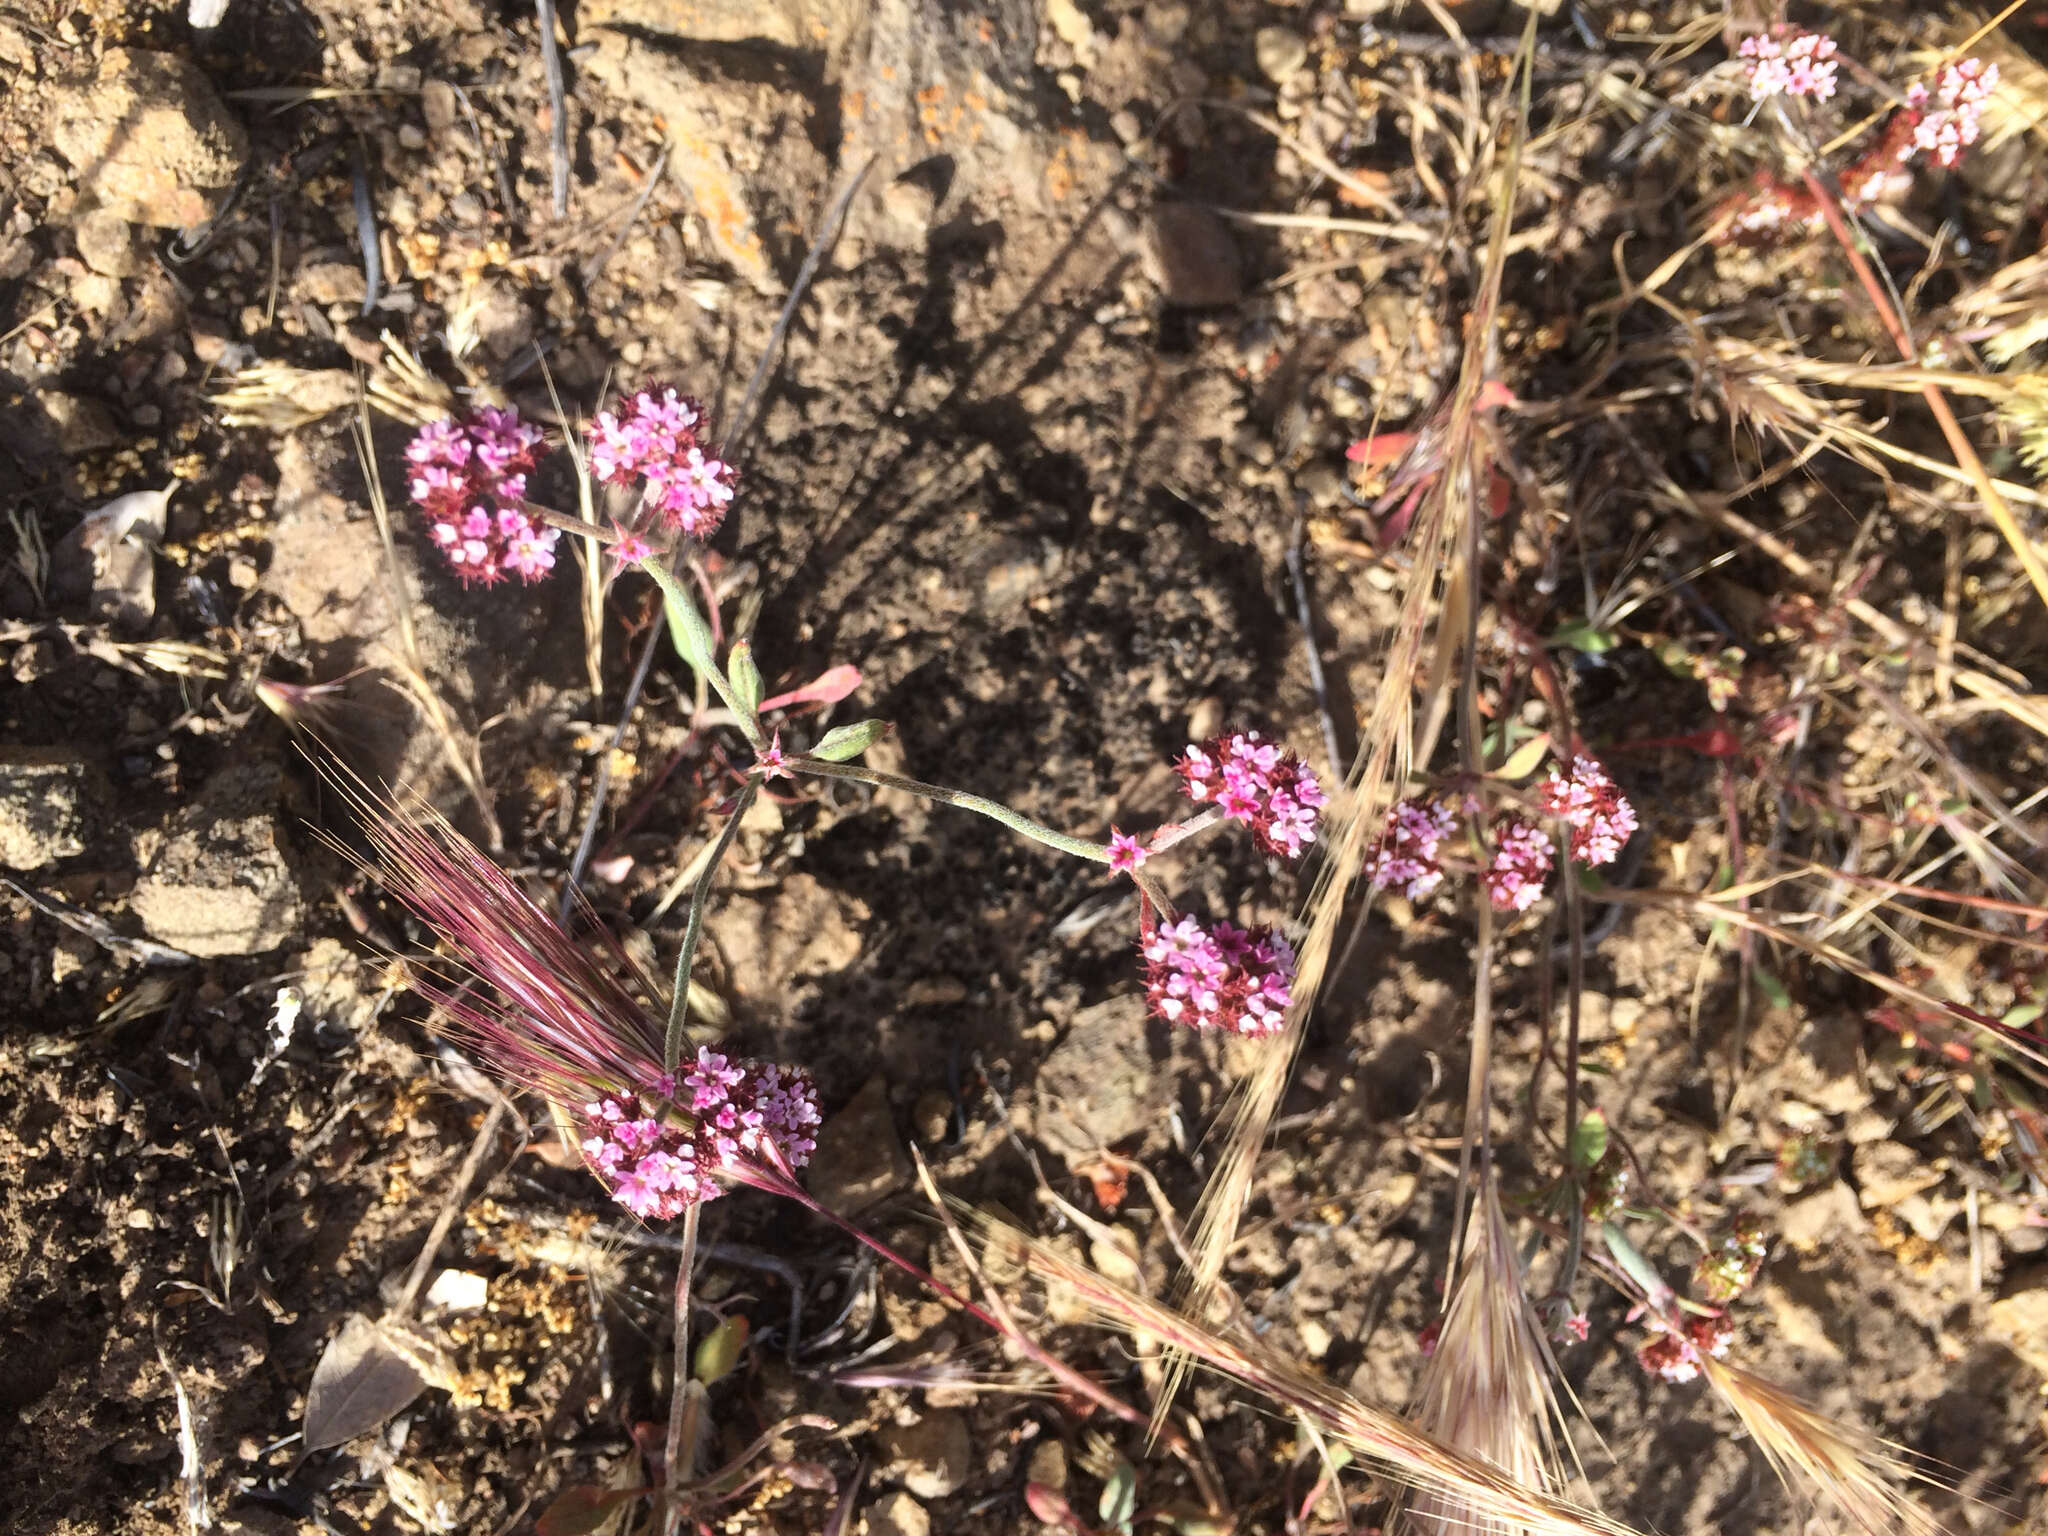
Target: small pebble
106,243
932,1116
1281,53
242,573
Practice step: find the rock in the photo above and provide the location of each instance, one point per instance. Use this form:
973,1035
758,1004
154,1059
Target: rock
1820,1219
2019,1321
739,147
898,1514
1048,1466
106,243
222,884
860,1159
79,423
931,1458
1101,1084
44,796
1281,53
958,88
108,560
932,1116
803,25
1190,256
1887,1172
1825,1067
332,282
775,939
149,138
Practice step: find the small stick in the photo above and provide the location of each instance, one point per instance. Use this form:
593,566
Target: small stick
558,114
1316,678
682,1403
366,235
464,1177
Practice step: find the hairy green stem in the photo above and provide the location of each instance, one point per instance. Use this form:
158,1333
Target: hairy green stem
682,1402
1038,832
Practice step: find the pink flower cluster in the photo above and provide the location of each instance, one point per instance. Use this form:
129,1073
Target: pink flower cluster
1223,977
1520,868
1953,126
1676,1356
653,437
1405,857
469,477
1788,62
1254,781
739,1113
1599,815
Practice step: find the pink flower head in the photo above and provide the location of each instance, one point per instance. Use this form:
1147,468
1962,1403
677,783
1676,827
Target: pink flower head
1963,89
630,548
653,437
1125,853
1676,1356
1600,817
468,478
1788,62
771,762
1405,857
656,1163
1255,781
1522,856
570,1027
1224,977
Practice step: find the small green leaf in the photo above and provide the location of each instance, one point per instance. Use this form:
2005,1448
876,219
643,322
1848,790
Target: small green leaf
1589,1140
1119,1496
1525,759
843,743
745,677
1580,635
720,1349
2020,1015
1772,988
685,620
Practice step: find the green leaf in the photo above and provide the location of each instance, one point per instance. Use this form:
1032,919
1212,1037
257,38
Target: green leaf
745,678
843,743
2020,1015
1119,1496
1525,759
1580,635
1589,1140
1772,988
720,1349
685,619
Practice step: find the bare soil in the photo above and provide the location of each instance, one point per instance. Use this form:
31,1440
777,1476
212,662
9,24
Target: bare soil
1046,512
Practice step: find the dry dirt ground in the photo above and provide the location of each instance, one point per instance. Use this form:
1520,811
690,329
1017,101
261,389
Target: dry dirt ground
1033,461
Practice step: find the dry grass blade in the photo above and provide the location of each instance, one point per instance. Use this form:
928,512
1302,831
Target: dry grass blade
1816,1456
1486,1391
1397,1449
1389,749
458,746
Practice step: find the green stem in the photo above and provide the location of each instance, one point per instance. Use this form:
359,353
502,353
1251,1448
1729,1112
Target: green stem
679,1003
1038,832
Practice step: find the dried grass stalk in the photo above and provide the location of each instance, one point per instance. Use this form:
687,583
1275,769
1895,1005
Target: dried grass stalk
1486,1391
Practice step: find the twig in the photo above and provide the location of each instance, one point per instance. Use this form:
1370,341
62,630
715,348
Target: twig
1995,506
682,1402
596,265
828,230
416,1280
558,114
1317,680
366,234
